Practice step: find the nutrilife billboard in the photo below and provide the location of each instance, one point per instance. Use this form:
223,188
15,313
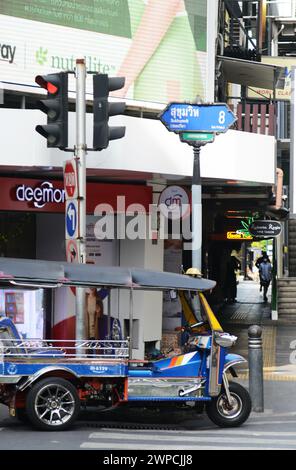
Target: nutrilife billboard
160,46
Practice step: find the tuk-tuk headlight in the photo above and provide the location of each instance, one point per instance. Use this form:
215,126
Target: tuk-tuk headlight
225,340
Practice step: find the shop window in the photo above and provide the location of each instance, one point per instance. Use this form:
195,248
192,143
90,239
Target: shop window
17,235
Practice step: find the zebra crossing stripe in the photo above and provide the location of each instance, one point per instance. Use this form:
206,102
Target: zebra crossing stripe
262,438
194,434
206,439
100,446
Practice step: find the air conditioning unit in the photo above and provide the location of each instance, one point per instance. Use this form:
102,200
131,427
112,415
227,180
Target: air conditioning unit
289,30
283,9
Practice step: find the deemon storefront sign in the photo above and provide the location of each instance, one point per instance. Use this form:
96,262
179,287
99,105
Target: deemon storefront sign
33,195
159,46
40,195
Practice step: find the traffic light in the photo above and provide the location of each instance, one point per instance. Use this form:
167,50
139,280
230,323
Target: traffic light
102,132
56,108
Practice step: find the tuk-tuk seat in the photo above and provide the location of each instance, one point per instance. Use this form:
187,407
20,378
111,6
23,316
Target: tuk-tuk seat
12,337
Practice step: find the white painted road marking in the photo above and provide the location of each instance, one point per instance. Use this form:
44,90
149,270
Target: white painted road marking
94,445
226,438
187,434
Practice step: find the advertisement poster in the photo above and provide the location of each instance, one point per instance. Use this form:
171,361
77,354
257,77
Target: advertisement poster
99,252
14,306
25,308
159,46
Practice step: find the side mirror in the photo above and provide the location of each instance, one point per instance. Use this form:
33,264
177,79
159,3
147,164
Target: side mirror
225,340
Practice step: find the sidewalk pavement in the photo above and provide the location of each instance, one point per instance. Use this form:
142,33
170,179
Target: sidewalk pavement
278,338
249,307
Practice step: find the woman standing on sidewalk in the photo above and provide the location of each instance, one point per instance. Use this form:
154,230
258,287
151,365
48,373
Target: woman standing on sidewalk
233,264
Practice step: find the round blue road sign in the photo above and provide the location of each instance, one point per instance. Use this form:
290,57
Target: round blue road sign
71,219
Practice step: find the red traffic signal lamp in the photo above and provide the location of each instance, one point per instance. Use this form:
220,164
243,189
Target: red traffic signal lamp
102,132
56,108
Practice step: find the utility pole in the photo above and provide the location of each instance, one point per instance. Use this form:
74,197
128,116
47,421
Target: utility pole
80,155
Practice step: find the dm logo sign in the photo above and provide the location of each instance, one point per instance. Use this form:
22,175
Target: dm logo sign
174,203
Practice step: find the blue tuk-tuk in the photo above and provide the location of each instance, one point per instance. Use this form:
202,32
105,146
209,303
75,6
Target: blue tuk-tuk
47,381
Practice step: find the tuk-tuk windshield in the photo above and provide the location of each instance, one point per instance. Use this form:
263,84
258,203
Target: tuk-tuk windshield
197,313
196,309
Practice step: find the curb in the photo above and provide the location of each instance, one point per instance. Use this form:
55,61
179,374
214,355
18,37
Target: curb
265,322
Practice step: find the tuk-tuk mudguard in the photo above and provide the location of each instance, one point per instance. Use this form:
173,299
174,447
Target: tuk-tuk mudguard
232,360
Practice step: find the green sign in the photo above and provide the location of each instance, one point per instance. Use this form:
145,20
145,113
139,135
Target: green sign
197,137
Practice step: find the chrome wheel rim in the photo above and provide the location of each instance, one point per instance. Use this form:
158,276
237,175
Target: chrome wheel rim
54,405
229,411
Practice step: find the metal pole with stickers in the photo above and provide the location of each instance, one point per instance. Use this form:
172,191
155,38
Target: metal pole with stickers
55,106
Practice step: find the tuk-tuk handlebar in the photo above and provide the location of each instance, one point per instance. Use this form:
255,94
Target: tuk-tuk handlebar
189,328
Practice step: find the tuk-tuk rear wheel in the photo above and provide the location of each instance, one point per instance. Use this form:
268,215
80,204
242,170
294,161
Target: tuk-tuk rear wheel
53,404
225,415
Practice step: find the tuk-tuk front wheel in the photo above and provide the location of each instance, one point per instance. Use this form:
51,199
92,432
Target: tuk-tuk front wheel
52,404
224,414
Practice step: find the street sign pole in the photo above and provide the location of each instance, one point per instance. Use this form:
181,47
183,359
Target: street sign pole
80,154
196,195
197,125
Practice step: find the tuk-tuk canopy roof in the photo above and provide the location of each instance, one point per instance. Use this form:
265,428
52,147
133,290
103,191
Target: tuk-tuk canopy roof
37,273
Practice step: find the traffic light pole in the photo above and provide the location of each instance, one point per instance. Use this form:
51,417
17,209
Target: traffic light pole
80,154
196,203
55,106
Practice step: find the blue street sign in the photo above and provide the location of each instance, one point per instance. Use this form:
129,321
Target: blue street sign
71,219
184,117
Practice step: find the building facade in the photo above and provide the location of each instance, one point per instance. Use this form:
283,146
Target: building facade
171,59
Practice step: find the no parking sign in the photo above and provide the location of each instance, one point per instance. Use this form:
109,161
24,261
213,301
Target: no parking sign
70,179
73,251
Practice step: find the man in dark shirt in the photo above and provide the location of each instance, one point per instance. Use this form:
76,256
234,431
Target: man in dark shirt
265,271
258,263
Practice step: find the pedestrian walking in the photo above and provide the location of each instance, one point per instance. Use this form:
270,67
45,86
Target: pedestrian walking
258,263
265,271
